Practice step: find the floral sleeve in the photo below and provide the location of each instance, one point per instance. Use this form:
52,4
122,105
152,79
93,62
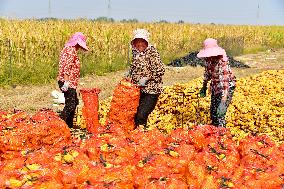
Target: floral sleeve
207,73
66,61
157,67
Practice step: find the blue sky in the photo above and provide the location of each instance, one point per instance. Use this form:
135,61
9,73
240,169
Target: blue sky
269,12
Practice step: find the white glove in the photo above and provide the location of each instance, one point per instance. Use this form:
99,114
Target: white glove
127,74
142,82
65,86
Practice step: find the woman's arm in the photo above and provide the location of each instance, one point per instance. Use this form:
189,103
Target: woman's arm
157,67
66,60
207,74
224,80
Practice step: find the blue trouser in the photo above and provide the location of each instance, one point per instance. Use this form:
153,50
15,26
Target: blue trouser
219,120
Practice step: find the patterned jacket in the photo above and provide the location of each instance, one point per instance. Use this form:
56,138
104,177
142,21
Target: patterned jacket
69,64
221,76
147,64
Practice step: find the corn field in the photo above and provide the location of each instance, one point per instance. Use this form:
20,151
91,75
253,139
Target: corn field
29,49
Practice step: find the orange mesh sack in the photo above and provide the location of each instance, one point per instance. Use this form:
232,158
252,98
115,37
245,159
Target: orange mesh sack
124,105
90,110
21,132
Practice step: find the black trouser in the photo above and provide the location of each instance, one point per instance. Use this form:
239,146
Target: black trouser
71,102
147,104
219,120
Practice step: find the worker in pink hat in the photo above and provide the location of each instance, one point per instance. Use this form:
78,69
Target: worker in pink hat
146,70
223,81
69,74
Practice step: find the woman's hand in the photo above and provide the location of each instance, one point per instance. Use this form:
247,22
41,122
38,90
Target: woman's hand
142,82
65,86
202,92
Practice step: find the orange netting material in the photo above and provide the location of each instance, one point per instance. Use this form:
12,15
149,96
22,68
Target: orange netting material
124,105
90,110
21,132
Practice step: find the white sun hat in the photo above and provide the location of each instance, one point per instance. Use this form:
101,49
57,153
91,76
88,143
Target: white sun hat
141,34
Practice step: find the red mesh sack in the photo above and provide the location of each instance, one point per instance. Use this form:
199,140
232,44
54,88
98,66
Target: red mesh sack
90,110
124,105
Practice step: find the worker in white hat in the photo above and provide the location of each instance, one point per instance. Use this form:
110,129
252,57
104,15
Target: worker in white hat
146,70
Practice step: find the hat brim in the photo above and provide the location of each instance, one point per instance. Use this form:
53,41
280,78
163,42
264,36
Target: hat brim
208,52
140,37
83,45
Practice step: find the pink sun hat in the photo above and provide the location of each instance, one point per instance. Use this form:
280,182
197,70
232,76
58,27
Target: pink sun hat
78,38
211,48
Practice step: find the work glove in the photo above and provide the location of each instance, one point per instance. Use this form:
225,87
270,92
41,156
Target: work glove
202,92
65,86
127,74
142,82
221,110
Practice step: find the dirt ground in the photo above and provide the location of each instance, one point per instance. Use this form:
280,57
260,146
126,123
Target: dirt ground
33,98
